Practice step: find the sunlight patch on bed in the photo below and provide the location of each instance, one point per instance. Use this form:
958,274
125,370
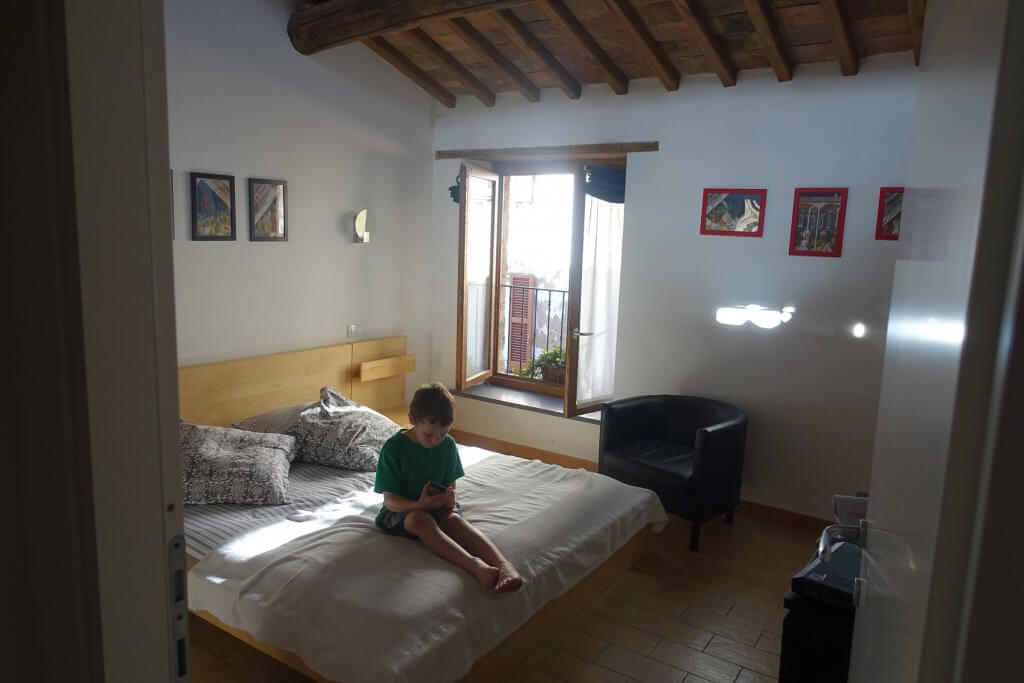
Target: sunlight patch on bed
471,455
300,523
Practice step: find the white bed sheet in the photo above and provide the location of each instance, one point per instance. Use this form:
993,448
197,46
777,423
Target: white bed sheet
362,607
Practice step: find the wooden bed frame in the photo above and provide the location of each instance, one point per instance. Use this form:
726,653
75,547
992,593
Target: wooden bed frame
373,373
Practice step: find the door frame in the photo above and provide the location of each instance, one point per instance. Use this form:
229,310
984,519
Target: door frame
53,612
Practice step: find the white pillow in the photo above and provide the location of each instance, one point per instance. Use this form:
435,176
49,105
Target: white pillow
224,465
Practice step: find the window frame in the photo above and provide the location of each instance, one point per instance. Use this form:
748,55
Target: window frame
503,170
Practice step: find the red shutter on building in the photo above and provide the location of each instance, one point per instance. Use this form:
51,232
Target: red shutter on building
520,331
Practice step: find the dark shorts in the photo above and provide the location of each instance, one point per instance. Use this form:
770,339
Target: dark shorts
394,522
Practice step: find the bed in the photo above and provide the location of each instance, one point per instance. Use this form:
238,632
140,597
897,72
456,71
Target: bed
314,584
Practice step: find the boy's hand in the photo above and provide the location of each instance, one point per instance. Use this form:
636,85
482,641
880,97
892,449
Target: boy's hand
430,501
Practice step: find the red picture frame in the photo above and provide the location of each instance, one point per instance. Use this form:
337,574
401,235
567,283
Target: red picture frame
890,213
726,205
819,216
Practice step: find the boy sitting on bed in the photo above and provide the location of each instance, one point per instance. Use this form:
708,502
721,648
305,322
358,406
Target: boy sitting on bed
416,473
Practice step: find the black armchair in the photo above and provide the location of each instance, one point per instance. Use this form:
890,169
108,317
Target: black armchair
688,450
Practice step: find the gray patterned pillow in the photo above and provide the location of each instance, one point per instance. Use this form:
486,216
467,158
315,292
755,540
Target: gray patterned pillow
223,465
278,421
342,433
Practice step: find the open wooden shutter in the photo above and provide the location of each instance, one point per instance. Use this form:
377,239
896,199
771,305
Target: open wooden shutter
479,204
521,315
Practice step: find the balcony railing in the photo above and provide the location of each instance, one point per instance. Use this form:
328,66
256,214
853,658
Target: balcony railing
534,321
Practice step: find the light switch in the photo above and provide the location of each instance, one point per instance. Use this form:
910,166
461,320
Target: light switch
352,330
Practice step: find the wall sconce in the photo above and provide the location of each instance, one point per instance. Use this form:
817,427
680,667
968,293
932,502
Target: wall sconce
361,233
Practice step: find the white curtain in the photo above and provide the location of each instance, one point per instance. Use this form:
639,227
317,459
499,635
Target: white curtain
599,310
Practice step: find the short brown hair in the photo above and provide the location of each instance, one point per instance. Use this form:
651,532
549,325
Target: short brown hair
433,403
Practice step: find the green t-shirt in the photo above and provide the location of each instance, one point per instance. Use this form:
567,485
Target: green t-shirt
405,466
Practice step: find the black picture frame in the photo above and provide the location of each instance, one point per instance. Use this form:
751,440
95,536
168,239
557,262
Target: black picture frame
262,199
211,208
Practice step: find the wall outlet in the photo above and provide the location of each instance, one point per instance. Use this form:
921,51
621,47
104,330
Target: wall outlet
352,330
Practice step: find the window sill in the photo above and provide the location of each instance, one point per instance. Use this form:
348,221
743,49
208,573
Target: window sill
525,400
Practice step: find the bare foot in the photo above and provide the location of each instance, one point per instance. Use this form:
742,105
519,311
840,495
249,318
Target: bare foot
508,580
486,574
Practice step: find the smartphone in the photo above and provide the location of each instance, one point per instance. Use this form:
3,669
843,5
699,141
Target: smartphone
435,489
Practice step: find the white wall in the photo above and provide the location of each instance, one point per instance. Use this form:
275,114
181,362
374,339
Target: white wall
810,388
343,128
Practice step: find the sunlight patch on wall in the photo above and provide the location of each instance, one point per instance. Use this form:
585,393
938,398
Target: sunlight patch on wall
931,330
765,318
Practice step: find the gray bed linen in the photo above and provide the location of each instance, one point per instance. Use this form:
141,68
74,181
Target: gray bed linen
310,486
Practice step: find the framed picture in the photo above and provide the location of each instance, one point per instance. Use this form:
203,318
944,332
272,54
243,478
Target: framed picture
213,206
268,217
890,212
732,212
818,217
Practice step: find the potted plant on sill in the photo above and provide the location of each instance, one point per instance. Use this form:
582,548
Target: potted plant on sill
550,365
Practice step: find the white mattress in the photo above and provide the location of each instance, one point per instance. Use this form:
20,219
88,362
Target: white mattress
362,607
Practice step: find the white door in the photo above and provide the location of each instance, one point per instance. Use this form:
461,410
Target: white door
949,293
118,109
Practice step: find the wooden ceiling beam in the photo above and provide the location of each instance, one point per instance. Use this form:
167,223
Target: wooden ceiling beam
716,57
771,44
562,15
522,36
465,76
915,11
839,29
602,150
483,47
659,61
390,54
314,28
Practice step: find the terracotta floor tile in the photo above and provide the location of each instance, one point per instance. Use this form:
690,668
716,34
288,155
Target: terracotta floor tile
628,637
668,602
769,619
769,642
713,603
776,585
728,626
212,669
670,629
638,667
748,676
580,644
632,579
571,668
613,608
536,655
744,655
528,674
758,599
694,662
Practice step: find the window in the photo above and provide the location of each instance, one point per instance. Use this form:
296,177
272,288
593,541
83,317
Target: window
540,252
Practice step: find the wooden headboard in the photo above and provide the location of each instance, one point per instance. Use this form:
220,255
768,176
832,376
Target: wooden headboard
371,372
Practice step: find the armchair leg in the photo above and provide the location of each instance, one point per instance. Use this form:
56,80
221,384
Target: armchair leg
728,516
694,536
